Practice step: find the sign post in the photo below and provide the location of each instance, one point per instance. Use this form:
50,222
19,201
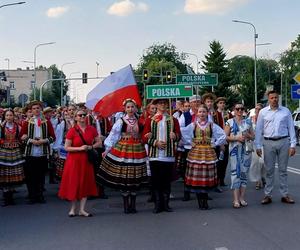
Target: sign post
210,79
169,91
297,80
198,79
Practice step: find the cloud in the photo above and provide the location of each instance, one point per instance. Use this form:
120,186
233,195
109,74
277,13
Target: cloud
57,11
240,49
211,6
127,7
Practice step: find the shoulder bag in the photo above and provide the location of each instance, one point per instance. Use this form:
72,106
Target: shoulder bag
93,155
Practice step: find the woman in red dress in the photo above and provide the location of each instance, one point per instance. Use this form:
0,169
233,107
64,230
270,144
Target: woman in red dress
78,180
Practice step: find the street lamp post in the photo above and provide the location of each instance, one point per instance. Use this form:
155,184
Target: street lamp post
97,63
255,37
31,62
7,59
34,61
62,83
10,4
197,66
278,55
74,83
192,54
28,62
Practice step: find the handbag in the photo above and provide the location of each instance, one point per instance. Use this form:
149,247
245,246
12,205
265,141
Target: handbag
93,155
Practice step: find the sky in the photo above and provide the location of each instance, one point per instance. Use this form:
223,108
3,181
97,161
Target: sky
116,33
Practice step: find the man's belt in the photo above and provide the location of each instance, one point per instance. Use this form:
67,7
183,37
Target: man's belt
275,138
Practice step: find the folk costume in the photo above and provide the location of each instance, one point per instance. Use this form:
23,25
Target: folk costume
103,126
124,166
36,156
161,161
183,150
59,146
11,160
201,172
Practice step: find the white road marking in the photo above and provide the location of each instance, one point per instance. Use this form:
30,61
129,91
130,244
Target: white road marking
291,169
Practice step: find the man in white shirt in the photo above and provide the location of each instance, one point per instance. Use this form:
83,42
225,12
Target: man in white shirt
276,134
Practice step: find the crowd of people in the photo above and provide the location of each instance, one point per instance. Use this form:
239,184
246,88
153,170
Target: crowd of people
196,141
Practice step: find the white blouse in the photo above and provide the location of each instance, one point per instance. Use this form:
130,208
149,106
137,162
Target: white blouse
218,135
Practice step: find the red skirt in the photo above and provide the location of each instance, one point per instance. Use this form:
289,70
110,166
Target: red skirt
78,180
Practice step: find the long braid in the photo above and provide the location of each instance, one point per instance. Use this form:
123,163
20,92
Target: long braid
3,130
17,130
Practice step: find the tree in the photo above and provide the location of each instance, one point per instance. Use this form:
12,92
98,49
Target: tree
52,91
56,85
290,62
241,69
215,62
160,58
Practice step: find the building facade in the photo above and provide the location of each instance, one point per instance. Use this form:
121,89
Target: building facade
19,84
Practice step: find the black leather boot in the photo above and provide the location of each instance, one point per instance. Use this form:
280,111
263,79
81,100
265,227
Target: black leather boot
5,199
166,199
151,197
132,208
101,191
52,173
126,204
205,203
11,198
200,200
157,202
186,196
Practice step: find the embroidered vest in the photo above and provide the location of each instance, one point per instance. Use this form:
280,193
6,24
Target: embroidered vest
171,144
44,135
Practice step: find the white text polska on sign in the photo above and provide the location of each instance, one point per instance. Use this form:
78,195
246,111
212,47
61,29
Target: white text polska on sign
167,92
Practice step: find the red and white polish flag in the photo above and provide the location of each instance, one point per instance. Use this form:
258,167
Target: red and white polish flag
108,96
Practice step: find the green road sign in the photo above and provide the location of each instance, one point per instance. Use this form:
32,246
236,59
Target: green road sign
198,79
169,91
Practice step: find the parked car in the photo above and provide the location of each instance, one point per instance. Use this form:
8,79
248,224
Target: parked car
296,118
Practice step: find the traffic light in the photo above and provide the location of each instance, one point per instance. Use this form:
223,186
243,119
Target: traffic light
169,76
3,76
145,75
84,77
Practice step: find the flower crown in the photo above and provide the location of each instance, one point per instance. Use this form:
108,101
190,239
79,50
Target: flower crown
129,100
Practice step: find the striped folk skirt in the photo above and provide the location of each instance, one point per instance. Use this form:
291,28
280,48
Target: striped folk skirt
124,167
201,172
11,167
59,165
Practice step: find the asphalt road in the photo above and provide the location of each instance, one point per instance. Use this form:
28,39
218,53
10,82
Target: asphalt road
47,226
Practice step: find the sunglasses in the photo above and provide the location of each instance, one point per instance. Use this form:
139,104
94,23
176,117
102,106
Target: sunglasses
81,115
239,109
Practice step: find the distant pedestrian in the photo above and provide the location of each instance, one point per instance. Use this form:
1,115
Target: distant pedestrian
257,169
61,131
220,118
275,133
